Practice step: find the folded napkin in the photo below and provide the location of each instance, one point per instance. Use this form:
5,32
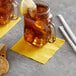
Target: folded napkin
5,28
41,55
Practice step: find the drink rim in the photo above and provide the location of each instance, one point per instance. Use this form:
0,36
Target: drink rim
46,5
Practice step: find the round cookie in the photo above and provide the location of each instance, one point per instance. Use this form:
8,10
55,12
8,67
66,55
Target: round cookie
4,66
3,49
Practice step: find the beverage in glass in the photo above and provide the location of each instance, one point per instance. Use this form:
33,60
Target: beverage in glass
7,11
38,28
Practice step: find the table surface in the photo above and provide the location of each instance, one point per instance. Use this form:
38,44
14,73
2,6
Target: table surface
63,63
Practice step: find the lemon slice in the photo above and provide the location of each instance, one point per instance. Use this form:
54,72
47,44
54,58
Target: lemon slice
25,5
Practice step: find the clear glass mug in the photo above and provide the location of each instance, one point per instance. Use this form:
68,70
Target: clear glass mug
38,28
8,9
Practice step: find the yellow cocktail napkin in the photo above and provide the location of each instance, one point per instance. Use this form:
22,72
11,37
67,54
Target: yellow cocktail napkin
5,28
41,55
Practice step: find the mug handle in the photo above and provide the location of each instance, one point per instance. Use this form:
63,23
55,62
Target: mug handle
53,34
16,10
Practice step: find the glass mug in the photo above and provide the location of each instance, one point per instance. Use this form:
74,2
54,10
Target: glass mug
39,29
8,8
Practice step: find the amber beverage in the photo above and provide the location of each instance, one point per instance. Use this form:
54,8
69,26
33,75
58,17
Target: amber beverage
37,28
6,11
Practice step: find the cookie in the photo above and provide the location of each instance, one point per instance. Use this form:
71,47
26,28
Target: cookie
3,49
4,66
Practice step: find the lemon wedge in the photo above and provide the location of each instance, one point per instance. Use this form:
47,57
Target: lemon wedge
25,5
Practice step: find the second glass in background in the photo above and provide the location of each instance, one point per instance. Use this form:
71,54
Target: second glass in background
8,8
